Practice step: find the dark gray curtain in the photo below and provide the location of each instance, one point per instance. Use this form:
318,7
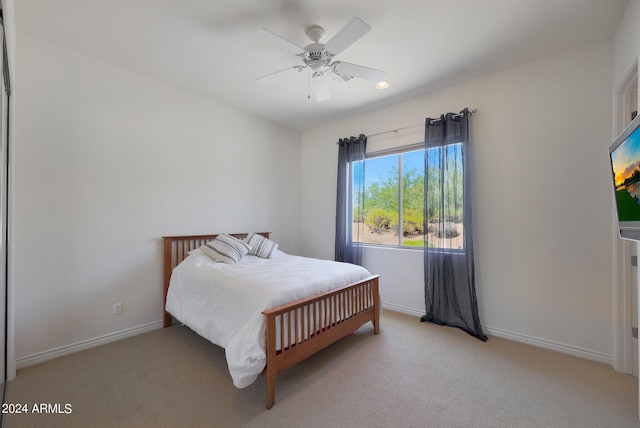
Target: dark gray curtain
349,227
449,276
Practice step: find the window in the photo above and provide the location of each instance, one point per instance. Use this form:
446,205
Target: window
394,204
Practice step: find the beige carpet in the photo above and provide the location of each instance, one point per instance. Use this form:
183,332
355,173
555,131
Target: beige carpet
411,375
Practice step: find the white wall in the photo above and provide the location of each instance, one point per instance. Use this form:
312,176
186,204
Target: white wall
108,161
627,42
542,201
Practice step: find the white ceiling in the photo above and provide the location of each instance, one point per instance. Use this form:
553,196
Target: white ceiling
206,46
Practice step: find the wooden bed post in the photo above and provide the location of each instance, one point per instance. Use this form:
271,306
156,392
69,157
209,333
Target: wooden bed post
376,305
166,319
271,368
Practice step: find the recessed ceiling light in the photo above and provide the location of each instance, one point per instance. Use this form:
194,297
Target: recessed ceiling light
382,85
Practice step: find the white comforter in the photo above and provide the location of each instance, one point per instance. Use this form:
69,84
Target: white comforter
224,303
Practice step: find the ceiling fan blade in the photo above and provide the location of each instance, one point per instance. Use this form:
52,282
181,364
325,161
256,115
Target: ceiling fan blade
273,77
279,41
351,32
320,88
359,71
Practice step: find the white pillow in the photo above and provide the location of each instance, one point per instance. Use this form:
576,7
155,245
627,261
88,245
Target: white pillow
226,249
260,246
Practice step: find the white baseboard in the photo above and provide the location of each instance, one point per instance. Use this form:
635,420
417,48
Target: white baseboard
523,338
41,357
550,344
402,309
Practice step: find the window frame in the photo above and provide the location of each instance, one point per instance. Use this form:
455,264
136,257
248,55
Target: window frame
389,152
399,151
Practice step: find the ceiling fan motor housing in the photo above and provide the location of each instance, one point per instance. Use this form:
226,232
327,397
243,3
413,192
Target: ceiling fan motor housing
316,56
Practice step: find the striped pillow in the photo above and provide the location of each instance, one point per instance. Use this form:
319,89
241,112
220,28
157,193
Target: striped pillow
260,246
226,249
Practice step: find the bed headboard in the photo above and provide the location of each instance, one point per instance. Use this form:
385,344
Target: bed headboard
176,249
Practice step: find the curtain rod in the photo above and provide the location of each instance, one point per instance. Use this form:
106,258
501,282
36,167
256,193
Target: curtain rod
475,110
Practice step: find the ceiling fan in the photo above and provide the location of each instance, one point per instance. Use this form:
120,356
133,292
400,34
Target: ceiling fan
318,57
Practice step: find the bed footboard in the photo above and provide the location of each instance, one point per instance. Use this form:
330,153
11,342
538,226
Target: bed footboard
297,330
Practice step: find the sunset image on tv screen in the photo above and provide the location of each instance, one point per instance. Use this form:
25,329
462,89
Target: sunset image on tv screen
625,161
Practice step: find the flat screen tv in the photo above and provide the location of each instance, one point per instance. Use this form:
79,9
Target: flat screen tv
624,153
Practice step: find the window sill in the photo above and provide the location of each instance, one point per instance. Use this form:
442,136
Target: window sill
392,247
411,249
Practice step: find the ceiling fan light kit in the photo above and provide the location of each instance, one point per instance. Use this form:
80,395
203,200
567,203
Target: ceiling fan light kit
318,57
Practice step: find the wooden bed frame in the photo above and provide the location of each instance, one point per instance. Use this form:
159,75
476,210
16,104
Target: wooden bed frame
333,315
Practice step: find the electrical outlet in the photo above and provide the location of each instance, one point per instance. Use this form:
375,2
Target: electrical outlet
117,308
